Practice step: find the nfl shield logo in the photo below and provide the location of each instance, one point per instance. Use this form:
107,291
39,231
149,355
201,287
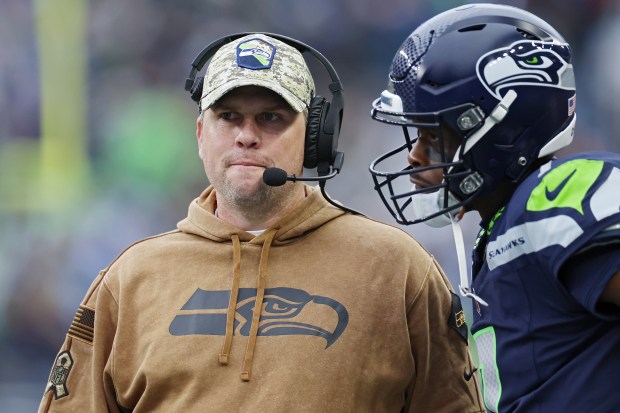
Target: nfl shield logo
60,372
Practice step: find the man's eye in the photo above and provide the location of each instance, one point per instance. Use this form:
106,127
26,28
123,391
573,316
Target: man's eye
428,137
227,115
270,117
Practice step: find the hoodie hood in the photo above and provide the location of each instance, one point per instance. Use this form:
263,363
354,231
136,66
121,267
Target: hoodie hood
310,214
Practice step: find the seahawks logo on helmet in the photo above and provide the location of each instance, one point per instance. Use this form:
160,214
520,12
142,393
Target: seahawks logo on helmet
525,63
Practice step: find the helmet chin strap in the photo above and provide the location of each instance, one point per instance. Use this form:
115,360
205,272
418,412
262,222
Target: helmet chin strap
426,204
460,255
497,115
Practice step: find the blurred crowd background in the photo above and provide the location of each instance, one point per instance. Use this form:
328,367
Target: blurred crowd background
97,134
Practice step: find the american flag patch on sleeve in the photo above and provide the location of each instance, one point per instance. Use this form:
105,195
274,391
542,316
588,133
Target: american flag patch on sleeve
83,325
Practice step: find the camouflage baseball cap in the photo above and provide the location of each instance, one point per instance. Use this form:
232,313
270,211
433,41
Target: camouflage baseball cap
259,60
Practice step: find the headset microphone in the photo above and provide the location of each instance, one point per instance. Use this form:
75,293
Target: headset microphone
275,176
278,177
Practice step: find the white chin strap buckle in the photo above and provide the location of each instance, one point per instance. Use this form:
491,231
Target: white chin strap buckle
460,255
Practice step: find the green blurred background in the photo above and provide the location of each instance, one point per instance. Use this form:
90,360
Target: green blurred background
97,143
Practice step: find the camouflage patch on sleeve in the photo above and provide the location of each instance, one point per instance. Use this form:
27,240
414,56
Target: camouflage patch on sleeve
457,317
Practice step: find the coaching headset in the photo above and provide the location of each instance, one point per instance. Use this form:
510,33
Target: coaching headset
324,117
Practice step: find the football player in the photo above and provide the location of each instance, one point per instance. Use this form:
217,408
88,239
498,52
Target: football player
485,97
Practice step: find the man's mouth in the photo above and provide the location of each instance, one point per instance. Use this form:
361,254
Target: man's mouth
420,183
247,163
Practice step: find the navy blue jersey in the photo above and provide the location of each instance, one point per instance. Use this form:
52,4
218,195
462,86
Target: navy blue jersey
543,343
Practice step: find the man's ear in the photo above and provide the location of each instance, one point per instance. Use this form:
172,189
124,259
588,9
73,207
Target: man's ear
199,134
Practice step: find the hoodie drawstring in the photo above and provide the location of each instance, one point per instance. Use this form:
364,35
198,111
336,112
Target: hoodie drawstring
232,304
258,305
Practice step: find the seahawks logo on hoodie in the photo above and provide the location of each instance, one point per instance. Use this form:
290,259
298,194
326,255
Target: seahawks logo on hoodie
286,311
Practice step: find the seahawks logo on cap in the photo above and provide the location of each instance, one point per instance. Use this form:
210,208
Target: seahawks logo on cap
526,63
255,54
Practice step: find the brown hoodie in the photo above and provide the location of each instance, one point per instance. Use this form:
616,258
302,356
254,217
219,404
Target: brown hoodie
355,317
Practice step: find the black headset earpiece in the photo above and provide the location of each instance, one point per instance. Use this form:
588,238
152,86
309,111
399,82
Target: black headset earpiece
316,117
196,90
324,117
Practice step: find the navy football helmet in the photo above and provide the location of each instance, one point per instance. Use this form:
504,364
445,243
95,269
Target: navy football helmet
495,76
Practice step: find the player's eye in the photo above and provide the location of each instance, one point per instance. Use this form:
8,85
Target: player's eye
428,137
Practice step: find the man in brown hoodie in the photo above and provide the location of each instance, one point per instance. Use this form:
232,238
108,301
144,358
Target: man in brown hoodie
267,298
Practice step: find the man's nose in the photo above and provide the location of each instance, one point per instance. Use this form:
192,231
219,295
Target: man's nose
418,156
248,134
